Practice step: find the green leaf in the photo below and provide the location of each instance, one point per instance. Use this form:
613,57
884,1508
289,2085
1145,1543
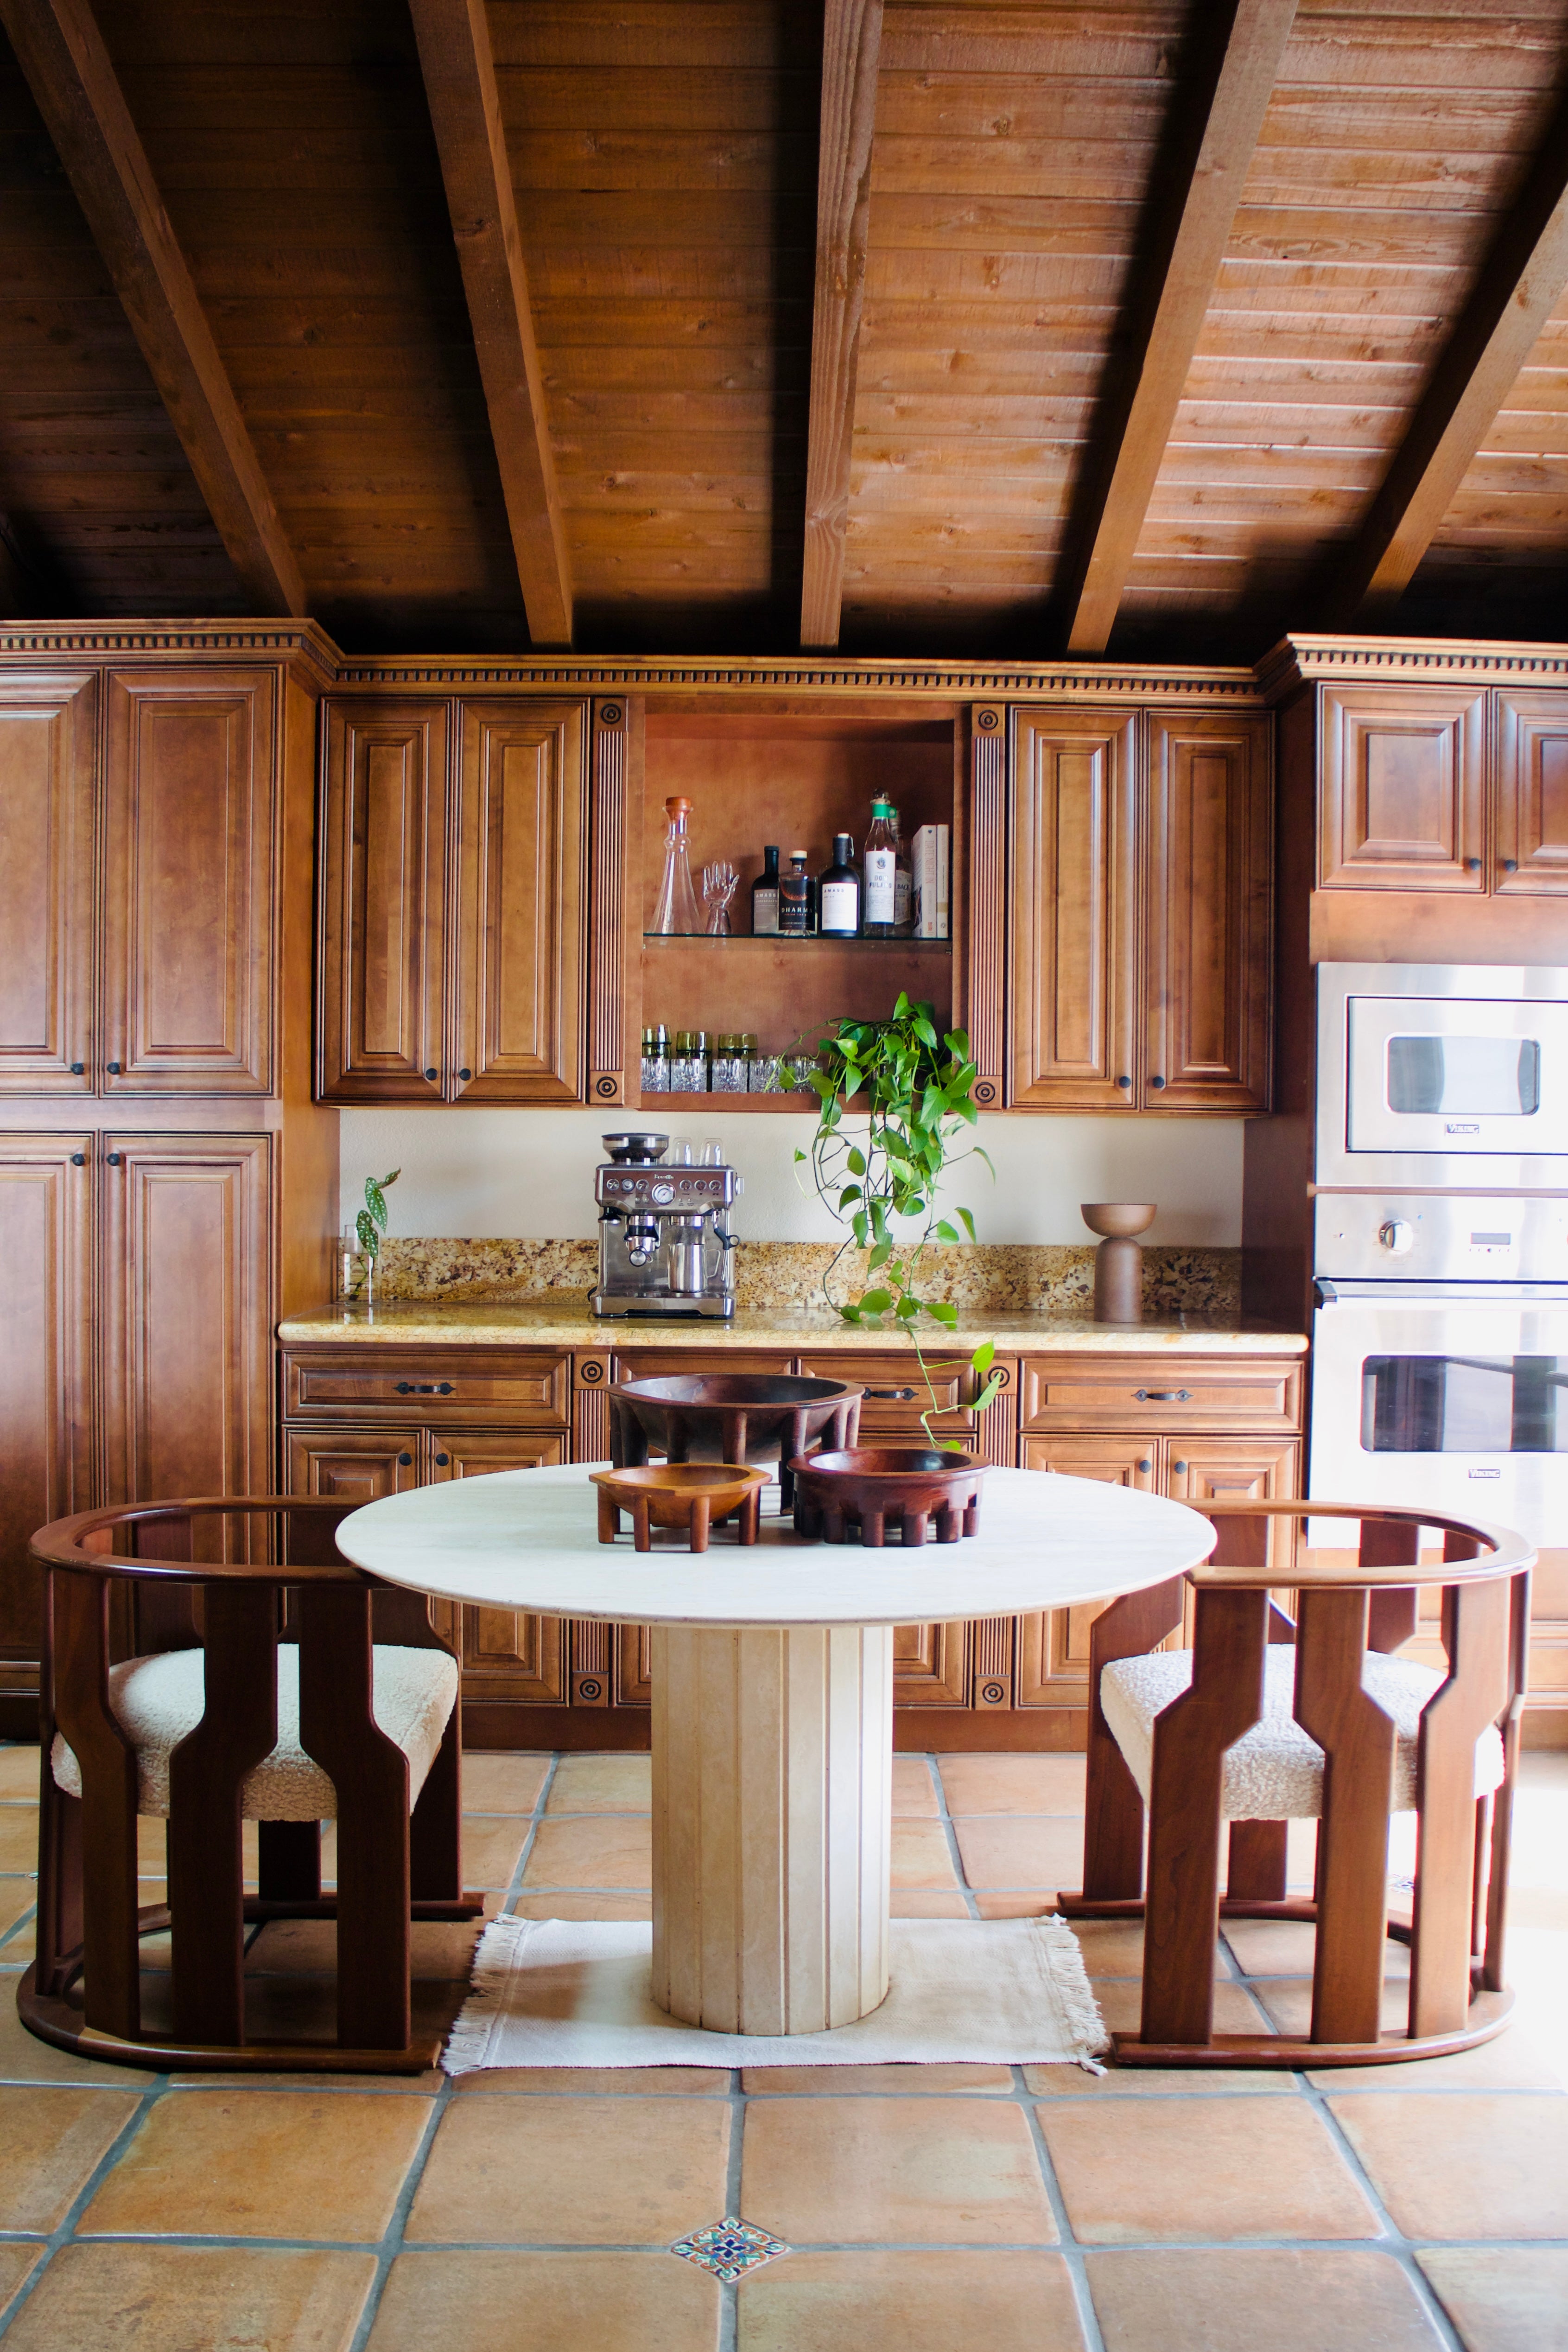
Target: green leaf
370,1240
375,1201
876,1302
944,1313
967,1222
850,1314
945,1232
851,1192
983,1356
799,1157
908,1308
879,1256
856,1162
858,1222
992,1389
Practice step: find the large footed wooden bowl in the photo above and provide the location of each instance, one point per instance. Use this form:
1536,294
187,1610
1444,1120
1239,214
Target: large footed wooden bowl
874,1486
691,1495
731,1417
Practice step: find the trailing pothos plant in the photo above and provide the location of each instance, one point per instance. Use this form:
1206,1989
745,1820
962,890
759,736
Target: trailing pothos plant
916,1082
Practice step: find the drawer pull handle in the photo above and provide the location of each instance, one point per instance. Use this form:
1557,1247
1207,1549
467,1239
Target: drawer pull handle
895,1396
423,1388
1163,1396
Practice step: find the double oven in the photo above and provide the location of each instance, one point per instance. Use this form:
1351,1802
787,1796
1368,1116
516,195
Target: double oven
1440,1342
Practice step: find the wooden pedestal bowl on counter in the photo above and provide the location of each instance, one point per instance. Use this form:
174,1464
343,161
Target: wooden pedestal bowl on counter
876,1486
695,1496
731,1417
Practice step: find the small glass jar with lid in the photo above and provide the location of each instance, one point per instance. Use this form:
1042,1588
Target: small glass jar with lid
656,1060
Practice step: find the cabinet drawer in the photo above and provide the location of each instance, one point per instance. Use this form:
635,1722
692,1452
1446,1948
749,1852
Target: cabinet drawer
1088,1393
895,1394
669,1363
490,1384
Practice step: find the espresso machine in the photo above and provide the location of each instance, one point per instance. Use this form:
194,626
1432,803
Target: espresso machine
665,1248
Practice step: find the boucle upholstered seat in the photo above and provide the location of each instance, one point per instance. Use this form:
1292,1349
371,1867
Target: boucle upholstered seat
1275,1772
158,1701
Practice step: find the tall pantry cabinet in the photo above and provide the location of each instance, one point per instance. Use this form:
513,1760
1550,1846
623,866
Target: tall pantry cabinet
168,1188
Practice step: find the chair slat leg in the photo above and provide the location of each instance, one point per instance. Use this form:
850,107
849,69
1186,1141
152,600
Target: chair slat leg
1475,1635
1358,1743
434,1829
79,1611
1493,1973
1114,1807
1224,1699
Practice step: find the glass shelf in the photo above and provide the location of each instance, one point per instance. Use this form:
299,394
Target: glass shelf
813,940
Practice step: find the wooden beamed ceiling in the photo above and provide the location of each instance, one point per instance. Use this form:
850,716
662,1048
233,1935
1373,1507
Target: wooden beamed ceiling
1148,327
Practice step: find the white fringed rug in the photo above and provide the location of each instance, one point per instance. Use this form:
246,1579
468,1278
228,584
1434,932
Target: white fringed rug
577,1992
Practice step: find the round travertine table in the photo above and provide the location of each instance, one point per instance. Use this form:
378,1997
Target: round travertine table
772,1675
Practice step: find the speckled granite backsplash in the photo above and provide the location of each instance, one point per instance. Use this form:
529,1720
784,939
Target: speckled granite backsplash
988,1277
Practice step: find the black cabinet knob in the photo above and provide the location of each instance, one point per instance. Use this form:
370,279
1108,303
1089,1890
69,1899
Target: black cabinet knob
78,1069
114,1158
432,1074
1178,1465
1146,1466
78,1158
1157,1082
441,1460
444,1388
1511,865
1124,1082
405,1459
402,1388
1472,866
464,1076
113,1068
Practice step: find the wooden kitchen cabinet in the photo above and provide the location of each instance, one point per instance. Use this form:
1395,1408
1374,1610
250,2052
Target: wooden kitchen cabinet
447,974
49,766
1141,965
1530,826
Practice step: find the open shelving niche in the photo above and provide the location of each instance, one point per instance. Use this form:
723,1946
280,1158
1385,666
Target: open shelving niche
793,778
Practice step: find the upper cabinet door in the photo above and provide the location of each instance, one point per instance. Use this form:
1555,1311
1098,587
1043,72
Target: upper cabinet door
1532,830
189,855
383,850
1074,901
1403,789
47,765
1208,917
521,902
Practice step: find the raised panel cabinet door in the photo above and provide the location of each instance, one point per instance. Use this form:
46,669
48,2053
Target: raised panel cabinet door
48,762
187,1316
522,904
1073,998
509,1656
45,1373
382,849
1236,1470
1530,853
351,1465
190,850
1401,783
931,1664
1053,1646
1208,906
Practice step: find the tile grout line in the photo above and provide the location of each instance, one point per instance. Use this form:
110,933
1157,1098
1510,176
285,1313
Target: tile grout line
735,2157
391,2237
1397,2243
1067,2238
64,2232
514,1884
954,1853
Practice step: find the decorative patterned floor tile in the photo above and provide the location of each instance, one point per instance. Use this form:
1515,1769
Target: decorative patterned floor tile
729,2248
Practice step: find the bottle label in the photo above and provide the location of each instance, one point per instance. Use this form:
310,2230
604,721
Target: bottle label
840,908
793,908
764,912
881,889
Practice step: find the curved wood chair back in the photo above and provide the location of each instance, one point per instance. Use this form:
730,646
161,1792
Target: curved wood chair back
136,1579
1344,1606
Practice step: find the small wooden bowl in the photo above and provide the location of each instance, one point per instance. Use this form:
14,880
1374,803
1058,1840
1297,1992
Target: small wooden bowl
871,1485
1117,1219
691,1495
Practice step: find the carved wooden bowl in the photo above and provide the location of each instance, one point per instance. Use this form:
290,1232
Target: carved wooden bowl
876,1486
691,1495
731,1417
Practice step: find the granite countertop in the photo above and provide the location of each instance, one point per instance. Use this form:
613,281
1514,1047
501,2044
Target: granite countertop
560,1319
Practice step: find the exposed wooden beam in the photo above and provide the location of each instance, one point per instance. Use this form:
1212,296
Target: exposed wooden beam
852,41
1197,204
17,586
1515,293
459,70
61,52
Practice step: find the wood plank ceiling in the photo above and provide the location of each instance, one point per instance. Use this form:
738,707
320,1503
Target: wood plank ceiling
1152,327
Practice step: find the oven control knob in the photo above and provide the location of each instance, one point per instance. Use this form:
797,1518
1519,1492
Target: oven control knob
661,1195
1396,1235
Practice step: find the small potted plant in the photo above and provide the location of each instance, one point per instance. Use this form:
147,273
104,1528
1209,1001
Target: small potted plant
916,1082
362,1242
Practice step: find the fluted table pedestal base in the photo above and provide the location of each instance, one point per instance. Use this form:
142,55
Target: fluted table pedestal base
772,1824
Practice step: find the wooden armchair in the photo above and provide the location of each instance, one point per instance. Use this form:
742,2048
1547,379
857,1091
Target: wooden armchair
1242,1727
184,1676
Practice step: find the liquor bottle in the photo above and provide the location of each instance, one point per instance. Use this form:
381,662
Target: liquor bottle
881,902
903,881
765,896
838,894
794,898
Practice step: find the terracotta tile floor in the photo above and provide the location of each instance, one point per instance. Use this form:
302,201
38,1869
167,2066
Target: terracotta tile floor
927,2210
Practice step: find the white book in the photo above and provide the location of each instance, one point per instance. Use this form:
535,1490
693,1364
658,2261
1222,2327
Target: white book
924,864
944,877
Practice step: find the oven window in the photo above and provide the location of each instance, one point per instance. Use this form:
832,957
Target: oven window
1464,1404
1473,1077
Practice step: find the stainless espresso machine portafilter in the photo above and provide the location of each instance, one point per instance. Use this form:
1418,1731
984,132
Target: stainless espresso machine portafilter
663,1245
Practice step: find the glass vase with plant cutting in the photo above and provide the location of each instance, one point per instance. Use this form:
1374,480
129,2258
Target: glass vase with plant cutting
362,1242
916,1082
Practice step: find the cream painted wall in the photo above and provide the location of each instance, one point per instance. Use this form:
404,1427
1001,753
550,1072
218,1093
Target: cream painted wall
527,1174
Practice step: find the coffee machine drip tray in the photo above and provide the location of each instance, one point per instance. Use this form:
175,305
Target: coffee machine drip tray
644,1308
